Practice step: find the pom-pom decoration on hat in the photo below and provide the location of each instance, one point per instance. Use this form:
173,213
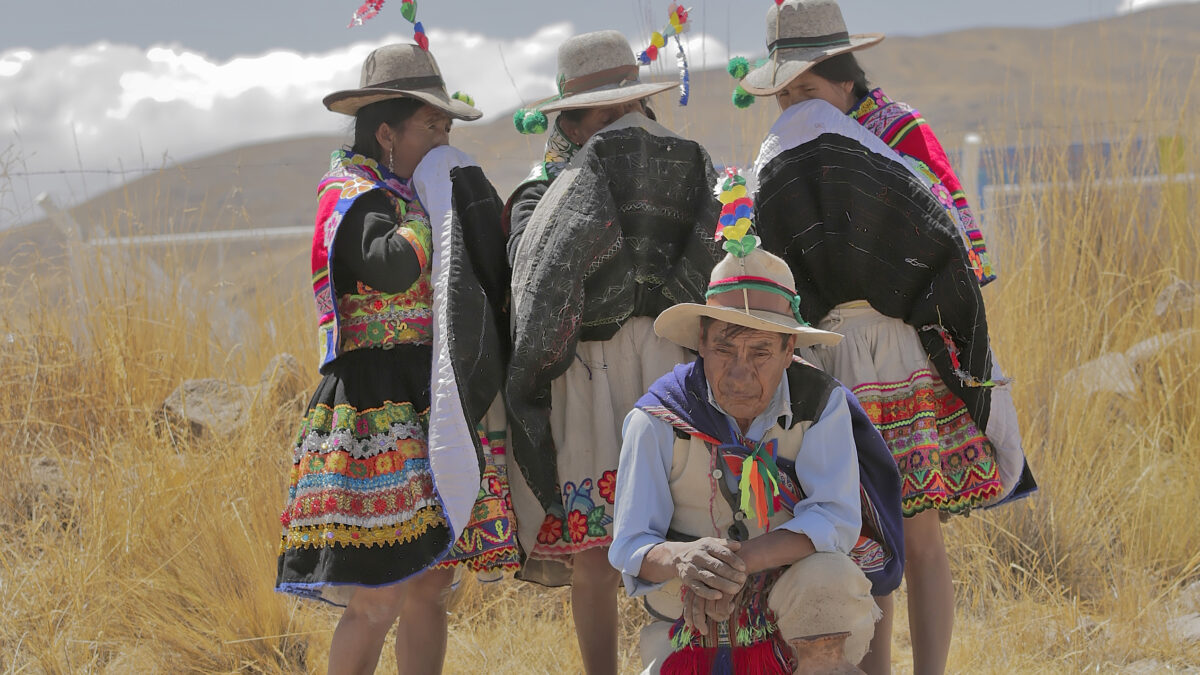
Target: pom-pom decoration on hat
529,121
408,9
742,98
737,214
465,98
738,68
677,24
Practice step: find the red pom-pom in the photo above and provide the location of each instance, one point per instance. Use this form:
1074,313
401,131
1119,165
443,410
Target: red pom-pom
683,15
778,2
422,41
652,52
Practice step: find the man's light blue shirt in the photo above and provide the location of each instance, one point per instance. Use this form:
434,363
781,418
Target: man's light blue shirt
826,466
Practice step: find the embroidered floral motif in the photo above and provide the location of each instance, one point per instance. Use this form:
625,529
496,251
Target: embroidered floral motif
582,523
577,526
551,530
608,486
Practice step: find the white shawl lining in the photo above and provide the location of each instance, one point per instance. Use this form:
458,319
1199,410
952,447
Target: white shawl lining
807,120
452,457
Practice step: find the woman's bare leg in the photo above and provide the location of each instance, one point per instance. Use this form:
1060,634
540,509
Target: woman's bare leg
878,660
358,638
421,632
930,592
594,606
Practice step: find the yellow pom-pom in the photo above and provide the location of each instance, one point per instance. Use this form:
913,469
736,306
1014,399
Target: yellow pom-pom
738,230
657,40
730,196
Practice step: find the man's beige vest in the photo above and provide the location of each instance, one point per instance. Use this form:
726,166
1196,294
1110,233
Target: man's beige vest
700,508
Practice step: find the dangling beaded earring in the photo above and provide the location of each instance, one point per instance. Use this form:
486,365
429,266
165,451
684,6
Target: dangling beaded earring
391,162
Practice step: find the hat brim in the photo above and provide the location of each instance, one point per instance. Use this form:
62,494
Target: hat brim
350,101
681,324
598,98
788,64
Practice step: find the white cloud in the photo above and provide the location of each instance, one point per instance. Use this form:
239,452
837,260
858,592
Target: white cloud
1128,6
113,107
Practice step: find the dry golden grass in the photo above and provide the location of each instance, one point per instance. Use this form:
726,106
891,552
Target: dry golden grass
126,549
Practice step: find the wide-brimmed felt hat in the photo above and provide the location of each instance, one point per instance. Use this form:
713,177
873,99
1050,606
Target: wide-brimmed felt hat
800,34
400,71
598,69
756,291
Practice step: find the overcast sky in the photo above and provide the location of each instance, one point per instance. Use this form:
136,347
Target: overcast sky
113,85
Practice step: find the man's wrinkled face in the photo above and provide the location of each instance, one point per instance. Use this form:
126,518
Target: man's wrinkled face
744,367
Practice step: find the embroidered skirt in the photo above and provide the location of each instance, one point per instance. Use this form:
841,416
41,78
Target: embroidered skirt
589,404
945,461
362,509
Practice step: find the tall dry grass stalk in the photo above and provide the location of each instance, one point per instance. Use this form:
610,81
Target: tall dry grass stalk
127,548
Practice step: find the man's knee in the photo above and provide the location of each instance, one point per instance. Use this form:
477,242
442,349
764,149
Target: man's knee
826,593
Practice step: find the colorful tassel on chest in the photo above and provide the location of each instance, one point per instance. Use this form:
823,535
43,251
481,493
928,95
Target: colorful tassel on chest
759,484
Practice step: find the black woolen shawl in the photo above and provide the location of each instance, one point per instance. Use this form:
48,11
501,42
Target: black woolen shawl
477,295
626,230
855,225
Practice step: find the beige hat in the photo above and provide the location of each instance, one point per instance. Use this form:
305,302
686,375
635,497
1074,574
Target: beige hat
760,280
598,69
800,34
400,71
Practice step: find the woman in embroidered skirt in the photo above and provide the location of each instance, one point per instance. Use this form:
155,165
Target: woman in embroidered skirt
366,525
899,276
565,519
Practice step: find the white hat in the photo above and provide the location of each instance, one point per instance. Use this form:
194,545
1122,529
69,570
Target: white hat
756,291
800,34
400,71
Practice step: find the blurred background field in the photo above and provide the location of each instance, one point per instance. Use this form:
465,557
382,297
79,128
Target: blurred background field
132,543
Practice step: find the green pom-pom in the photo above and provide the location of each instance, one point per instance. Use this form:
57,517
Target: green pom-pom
465,98
739,67
534,122
742,98
519,119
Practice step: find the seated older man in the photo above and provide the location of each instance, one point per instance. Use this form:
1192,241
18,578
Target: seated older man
741,514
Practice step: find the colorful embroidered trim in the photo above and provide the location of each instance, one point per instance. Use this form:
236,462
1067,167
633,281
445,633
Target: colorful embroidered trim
350,176
348,535
904,129
489,541
420,237
363,424
945,461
